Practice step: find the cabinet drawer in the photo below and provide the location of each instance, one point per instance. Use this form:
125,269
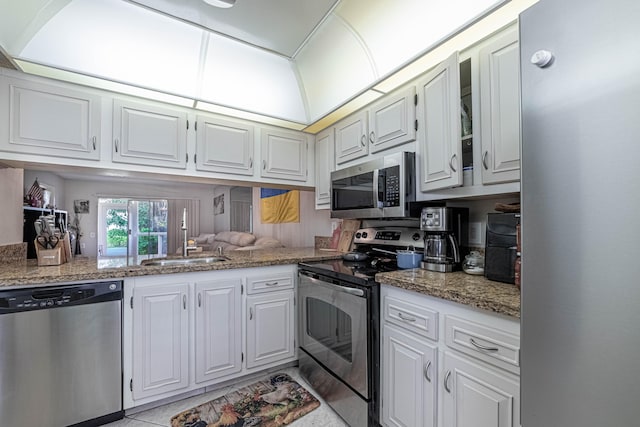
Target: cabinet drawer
272,282
491,345
415,318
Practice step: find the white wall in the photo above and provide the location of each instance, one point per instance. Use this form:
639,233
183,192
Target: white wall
312,222
478,210
80,189
11,195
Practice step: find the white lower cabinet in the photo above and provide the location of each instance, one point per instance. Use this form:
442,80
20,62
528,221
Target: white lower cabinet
218,329
160,339
464,372
270,317
270,328
183,332
475,395
410,377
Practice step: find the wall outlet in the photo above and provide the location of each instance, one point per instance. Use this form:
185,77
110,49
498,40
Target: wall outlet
476,236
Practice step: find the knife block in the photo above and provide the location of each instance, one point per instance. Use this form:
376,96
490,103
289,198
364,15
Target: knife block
55,256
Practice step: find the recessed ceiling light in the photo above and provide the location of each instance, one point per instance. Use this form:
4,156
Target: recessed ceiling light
221,3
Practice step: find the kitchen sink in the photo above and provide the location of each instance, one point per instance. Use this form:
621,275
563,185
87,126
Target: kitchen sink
183,261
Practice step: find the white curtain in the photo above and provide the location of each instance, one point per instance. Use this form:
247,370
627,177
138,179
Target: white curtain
174,222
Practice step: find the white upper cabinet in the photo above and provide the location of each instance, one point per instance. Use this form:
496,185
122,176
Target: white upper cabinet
49,120
224,146
392,121
149,134
352,140
325,164
439,148
500,109
284,154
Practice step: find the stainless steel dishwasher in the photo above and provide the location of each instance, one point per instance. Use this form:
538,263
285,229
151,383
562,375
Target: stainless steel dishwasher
61,355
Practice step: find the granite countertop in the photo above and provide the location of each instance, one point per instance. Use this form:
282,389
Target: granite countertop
27,273
475,291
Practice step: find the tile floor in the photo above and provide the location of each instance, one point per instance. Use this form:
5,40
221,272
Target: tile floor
323,416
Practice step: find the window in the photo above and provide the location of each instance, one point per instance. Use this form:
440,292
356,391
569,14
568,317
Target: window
132,229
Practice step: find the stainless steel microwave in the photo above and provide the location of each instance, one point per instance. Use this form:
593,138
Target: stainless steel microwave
381,188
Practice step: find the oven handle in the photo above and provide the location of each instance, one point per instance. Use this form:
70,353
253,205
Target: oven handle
351,291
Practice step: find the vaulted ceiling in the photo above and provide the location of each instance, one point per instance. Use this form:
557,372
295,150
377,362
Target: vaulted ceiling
291,60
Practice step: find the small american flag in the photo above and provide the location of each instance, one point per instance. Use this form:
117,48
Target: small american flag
35,192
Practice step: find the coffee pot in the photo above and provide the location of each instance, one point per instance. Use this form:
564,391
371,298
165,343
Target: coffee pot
445,237
441,248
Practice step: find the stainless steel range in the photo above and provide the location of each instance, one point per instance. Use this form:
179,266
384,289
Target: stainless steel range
339,318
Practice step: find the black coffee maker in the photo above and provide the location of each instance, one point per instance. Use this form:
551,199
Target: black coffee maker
446,238
501,250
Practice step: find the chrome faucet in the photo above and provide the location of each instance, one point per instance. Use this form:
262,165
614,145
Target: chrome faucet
185,247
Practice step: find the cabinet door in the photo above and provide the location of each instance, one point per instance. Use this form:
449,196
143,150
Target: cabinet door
325,164
352,138
218,320
284,155
409,371
224,146
477,396
392,121
270,328
500,109
160,339
149,135
439,149
50,120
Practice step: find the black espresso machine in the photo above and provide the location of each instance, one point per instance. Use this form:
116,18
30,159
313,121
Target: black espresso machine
446,238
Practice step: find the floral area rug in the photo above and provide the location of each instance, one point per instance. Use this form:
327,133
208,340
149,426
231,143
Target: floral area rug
275,401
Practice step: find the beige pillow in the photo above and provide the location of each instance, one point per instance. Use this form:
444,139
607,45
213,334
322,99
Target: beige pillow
268,242
242,239
224,236
205,238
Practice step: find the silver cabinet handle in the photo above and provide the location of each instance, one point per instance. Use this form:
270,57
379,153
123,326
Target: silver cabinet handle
426,371
406,318
250,313
484,160
186,157
250,162
117,145
271,283
184,301
264,164
199,299
446,382
363,140
93,140
482,347
372,137
451,163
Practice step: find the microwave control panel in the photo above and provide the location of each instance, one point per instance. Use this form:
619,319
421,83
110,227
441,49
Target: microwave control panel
390,178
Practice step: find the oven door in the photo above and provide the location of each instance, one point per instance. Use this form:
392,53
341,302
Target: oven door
333,329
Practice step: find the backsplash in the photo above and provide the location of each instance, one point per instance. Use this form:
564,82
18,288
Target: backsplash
13,252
